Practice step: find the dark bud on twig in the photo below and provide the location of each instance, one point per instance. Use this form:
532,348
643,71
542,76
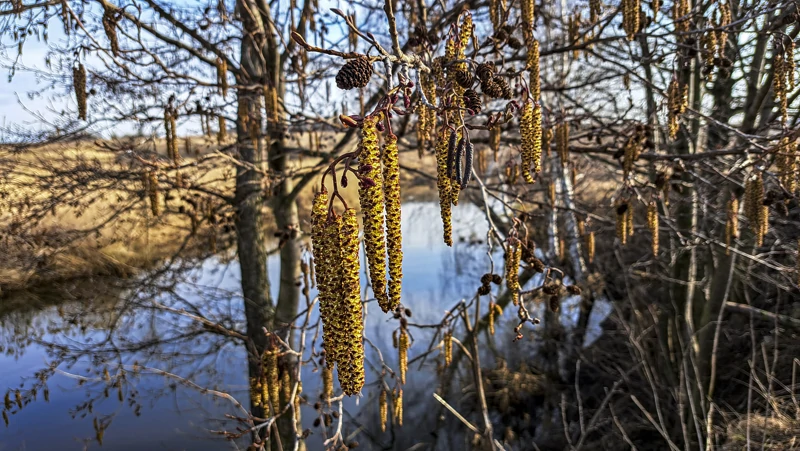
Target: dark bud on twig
348,121
354,74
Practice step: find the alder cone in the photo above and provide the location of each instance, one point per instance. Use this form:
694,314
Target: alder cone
464,79
491,88
354,74
472,100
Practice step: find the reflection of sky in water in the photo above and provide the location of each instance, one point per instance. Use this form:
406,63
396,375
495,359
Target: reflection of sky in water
435,278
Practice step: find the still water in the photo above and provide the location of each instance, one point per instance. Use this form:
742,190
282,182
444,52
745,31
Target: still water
82,337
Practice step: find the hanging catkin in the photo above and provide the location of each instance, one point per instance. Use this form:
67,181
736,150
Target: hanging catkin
622,222
79,85
222,133
526,135
402,351
590,246
394,237
731,224
447,344
534,79
370,193
351,359
383,408
110,20
786,161
513,257
153,192
327,383
652,225
325,242
443,184
562,142
398,406
630,17
528,14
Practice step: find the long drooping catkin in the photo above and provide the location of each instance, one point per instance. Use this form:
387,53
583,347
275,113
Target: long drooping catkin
443,184
590,246
222,76
270,379
562,142
630,17
652,225
447,344
622,222
153,192
731,224
394,237
370,193
534,80
787,164
526,135
351,359
383,408
398,406
79,85
513,257
402,351
110,20
325,242
528,13
327,383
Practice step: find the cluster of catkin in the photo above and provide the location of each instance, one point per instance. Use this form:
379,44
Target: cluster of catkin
512,261
678,101
379,190
79,85
783,67
335,243
530,125
624,221
265,388
630,17
756,212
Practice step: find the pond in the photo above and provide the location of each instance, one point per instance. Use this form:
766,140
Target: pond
124,371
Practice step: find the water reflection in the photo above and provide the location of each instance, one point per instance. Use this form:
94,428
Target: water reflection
127,364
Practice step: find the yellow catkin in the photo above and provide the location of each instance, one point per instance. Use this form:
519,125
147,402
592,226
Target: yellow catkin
680,11
731,224
455,188
513,257
629,219
536,127
394,237
398,406
447,344
710,48
725,20
562,142
443,184
790,64
590,246
526,135
327,383
779,83
350,312
383,408
269,361
402,353
372,204
79,86
551,194
494,140
325,242
528,14
491,317
797,269
652,225
622,222
534,80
